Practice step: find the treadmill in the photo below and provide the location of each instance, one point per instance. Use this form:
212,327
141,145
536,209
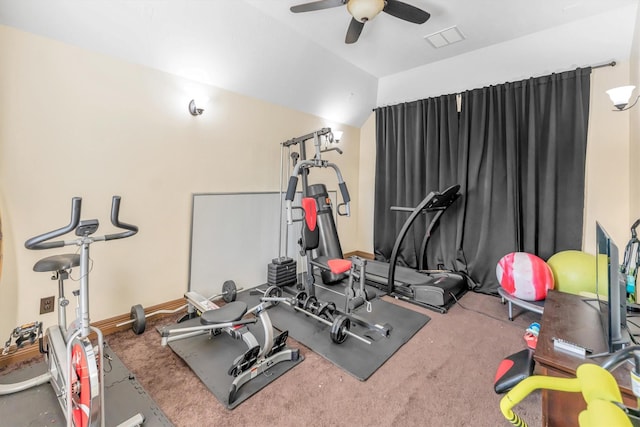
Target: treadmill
436,290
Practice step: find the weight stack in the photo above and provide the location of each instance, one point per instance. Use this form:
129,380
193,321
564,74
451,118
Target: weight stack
281,272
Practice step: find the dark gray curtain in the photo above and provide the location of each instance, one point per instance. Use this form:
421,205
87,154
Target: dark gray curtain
407,169
518,152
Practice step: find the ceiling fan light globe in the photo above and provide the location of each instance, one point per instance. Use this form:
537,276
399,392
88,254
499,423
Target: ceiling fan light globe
365,10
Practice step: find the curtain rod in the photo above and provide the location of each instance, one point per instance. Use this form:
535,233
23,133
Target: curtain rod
608,64
593,67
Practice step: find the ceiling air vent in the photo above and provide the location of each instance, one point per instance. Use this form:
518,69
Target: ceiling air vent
445,37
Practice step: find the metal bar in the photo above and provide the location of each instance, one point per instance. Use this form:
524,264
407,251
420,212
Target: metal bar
299,139
608,64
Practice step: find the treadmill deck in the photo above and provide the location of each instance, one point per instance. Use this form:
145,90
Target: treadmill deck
435,290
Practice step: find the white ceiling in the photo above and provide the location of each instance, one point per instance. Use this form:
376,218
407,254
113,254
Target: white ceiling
259,48
389,45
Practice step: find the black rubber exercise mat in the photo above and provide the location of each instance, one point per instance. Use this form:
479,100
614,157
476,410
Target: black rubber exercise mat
210,360
354,356
38,406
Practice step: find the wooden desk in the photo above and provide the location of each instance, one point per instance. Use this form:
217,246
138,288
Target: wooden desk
569,317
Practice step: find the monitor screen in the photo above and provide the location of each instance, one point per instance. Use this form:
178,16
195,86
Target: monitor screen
613,308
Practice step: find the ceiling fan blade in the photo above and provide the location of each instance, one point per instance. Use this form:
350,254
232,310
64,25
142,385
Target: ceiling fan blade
353,33
317,5
406,12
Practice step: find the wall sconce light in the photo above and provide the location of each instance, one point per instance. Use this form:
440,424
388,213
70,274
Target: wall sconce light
620,97
330,138
195,111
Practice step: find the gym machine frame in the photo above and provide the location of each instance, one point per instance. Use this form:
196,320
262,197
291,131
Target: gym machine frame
75,370
305,300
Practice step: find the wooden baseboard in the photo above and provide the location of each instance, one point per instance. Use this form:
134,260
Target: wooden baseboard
108,326
361,254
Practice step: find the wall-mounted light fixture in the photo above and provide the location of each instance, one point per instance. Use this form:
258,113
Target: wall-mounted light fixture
337,135
193,109
620,97
333,136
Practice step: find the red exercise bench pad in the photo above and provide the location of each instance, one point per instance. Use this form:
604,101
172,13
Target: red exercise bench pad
338,265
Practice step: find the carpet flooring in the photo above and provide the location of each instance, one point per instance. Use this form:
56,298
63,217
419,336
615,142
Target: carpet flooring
443,376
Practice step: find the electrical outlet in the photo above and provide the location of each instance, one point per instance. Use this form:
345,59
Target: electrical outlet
46,304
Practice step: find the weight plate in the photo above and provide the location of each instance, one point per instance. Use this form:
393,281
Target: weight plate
301,297
326,311
310,304
229,291
273,292
339,329
139,319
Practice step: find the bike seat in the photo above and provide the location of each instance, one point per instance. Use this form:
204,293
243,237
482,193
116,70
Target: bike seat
57,263
229,312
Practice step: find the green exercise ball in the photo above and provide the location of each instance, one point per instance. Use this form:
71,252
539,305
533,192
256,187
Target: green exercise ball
574,272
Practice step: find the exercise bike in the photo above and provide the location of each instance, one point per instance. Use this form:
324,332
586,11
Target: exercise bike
230,318
75,368
598,387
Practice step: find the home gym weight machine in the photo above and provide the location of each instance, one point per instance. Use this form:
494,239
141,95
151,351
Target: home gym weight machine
230,318
328,258
75,368
329,245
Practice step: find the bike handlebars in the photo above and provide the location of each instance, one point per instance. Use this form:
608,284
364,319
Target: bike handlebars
42,241
38,242
594,381
115,211
620,356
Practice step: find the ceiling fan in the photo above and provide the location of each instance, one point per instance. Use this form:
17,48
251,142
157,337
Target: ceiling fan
365,10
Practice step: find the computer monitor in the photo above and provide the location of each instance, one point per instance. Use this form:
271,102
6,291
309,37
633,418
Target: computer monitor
613,310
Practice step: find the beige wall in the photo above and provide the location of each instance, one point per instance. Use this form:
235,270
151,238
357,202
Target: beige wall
366,181
75,123
608,180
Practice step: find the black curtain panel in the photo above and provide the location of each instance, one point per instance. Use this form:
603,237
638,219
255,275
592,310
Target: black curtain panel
415,156
522,162
518,151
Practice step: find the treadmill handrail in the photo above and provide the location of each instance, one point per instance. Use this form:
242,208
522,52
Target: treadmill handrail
406,209
452,195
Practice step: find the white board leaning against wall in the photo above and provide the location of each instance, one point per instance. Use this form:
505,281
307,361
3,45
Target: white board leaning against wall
234,236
